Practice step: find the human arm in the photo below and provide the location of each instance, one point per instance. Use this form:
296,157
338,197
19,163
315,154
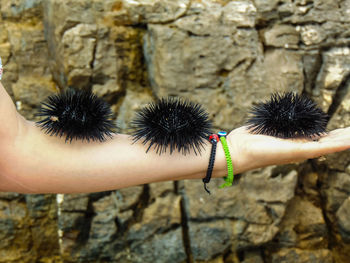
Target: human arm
34,162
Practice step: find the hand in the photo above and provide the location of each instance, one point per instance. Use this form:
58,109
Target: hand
250,151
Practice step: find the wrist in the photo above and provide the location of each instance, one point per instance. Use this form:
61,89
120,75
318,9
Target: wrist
236,154
220,166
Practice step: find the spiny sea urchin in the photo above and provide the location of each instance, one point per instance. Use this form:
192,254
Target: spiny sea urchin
77,114
174,123
288,115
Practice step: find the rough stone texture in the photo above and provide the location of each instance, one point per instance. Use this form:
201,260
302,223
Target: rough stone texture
335,191
204,248
226,55
167,247
302,256
144,11
246,215
304,225
28,228
343,218
281,36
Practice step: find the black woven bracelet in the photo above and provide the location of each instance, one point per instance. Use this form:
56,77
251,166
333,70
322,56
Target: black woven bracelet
213,139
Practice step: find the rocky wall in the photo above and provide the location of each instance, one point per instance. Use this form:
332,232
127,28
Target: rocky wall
226,55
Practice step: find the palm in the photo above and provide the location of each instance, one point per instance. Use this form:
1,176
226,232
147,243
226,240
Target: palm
251,151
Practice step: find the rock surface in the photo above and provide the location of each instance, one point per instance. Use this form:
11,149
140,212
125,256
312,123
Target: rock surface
226,55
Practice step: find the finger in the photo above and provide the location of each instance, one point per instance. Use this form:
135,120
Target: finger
342,133
316,149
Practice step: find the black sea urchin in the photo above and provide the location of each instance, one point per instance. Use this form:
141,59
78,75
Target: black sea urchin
77,114
173,122
288,115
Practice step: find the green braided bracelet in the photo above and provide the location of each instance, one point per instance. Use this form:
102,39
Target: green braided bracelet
229,177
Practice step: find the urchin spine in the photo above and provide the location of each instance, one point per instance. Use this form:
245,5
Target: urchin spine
172,123
77,114
288,115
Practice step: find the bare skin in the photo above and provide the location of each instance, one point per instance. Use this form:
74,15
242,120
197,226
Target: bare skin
34,162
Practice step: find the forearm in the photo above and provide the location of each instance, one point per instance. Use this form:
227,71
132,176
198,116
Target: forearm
39,163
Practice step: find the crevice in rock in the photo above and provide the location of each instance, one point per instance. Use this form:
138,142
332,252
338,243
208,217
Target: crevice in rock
85,222
331,239
240,255
141,204
137,209
218,218
339,95
250,64
139,25
224,72
342,190
85,226
189,33
74,211
113,99
99,195
124,45
264,24
333,43
283,170
184,224
245,63
263,255
309,83
20,198
227,256
270,47
167,229
271,213
312,23
94,50
270,202
68,25
245,28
